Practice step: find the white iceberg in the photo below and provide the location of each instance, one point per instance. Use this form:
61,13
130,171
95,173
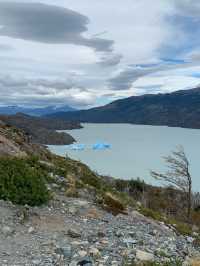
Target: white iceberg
101,146
77,147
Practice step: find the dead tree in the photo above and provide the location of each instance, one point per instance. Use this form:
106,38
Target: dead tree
178,175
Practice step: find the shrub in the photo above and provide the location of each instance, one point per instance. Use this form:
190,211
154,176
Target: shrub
22,183
196,218
151,214
136,185
121,185
182,228
88,178
114,204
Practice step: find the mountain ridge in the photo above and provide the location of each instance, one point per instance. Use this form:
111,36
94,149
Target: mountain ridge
177,109
39,111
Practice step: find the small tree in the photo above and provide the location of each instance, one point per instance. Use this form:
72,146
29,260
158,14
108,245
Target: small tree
178,174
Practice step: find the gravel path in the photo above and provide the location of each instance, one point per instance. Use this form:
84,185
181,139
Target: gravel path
76,232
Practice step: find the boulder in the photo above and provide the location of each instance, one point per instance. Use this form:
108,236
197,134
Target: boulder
66,251
144,256
74,233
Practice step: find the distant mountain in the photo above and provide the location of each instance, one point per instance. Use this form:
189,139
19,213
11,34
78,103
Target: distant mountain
12,110
178,109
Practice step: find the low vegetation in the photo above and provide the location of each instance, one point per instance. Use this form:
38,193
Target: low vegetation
114,204
169,263
22,183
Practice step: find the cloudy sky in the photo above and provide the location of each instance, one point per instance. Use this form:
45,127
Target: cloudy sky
88,53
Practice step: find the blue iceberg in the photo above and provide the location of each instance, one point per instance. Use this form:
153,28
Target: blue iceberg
101,146
77,147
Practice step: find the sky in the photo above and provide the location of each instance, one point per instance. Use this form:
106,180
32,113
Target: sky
89,53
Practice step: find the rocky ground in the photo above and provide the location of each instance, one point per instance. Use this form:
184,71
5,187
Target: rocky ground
77,232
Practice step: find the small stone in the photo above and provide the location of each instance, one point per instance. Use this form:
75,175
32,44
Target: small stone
195,234
6,253
7,230
132,234
31,230
104,242
153,232
114,263
87,261
72,210
101,234
190,239
129,241
74,233
144,256
54,185
94,252
65,251
82,253
119,233
62,189
36,262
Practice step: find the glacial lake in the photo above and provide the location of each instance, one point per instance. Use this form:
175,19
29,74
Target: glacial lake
136,149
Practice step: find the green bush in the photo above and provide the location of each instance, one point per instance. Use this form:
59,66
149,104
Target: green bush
137,185
151,213
182,228
22,183
89,178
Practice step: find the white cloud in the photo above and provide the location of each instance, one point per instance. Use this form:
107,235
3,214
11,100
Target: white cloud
143,32
164,84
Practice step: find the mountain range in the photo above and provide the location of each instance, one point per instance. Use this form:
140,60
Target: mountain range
176,109
12,110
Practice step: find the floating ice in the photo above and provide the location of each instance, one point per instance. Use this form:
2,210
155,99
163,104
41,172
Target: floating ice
77,147
101,146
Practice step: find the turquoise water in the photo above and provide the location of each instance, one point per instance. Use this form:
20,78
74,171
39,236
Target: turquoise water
136,149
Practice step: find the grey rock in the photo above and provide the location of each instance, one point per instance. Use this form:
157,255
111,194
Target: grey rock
74,233
87,261
65,251
144,256
7,230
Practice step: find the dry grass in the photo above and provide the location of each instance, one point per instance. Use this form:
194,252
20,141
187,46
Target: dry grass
114,204
195,262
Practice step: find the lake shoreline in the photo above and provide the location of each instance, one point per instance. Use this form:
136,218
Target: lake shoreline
136,149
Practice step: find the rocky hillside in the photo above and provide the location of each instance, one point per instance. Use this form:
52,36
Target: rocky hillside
41,130
179,109
87,220
14,142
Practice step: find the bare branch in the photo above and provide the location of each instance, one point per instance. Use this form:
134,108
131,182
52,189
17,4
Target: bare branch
178,173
